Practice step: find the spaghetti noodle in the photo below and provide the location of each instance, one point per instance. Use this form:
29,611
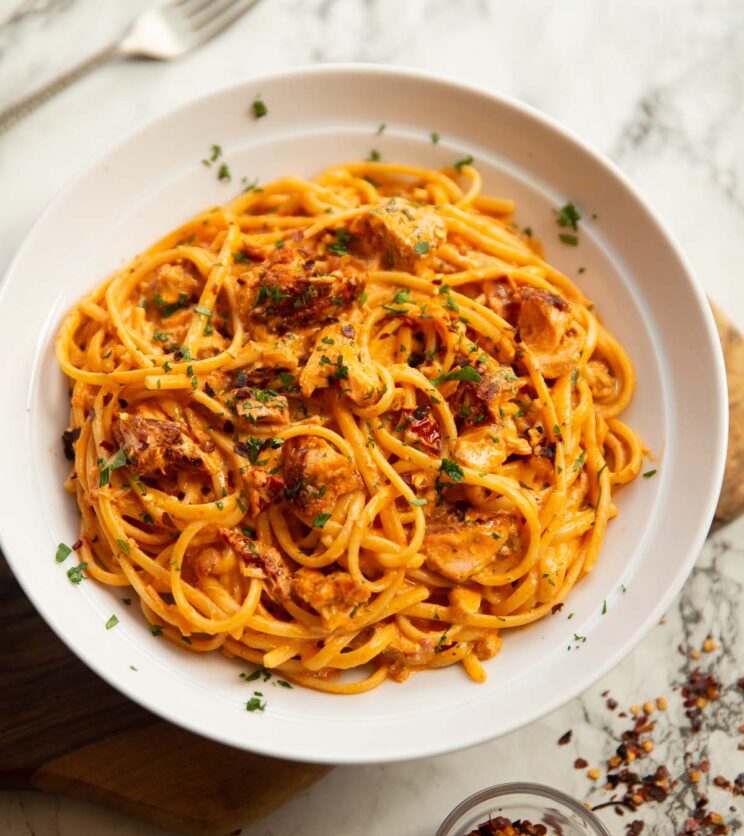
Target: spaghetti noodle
349,424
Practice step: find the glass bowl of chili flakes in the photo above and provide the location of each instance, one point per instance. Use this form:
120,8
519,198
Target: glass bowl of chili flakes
521,809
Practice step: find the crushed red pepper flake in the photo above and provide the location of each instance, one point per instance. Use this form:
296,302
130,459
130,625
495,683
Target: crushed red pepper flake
501,826
697,692
565,738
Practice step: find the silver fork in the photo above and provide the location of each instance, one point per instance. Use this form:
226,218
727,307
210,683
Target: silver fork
161,33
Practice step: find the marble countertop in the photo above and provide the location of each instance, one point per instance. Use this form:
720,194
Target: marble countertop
658,85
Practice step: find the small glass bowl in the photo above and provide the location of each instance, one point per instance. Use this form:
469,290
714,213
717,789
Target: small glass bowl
561,814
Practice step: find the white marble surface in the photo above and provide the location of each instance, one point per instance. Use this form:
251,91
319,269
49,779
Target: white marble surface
658,85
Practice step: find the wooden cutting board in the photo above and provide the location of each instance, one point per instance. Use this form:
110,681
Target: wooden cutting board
64,730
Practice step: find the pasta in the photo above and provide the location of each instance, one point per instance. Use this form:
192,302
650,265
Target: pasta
351,424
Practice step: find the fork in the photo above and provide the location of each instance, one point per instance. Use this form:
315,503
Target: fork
161,33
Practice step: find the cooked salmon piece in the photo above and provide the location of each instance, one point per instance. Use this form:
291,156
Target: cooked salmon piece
459,550
403,233
262,488
546,326
262,561
502,299
333,596
337,360
600,380
259,406
156,447
486,448
294,289
316,475
173,286
477,401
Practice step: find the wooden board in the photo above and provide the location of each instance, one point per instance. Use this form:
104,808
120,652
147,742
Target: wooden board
67,731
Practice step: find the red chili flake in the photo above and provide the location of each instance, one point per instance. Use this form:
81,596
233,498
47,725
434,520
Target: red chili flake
740,682
420,425
612,704
348,331
77,544
565,738
107,398
107,445
634,828
556,608
580,763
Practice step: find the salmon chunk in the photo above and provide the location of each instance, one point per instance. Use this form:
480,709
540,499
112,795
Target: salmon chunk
260,406
337,360
404,233
486,448
294,289
156,447
333,596
262,561
459,550
548,329
316,475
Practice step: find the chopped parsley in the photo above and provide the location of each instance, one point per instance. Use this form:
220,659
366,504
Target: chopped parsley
467,373
649,473
571,240
380,128
341,371
321,520
75,574
156,629
568,215
200,309
63,552
169,308
440,644
123,546
119,459
214,155
421,247
459,165
451,470
341,244
224,173
112,622
417,502
259,108
401,297
434,136
374,156
255,703
604,607
363,298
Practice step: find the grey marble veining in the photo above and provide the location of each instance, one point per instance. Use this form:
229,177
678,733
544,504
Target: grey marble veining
658,85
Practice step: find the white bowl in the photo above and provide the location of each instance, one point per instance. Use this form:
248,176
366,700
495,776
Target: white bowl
643,288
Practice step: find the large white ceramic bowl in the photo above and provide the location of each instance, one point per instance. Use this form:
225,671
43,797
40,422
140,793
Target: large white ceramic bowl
152,181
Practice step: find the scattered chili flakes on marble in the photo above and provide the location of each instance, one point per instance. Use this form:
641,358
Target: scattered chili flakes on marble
630,789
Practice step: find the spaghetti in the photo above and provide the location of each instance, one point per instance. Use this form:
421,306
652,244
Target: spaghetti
349,424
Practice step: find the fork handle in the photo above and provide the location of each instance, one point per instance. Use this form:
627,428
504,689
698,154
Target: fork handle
18,110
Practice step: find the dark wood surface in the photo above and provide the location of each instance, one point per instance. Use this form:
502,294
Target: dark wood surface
64,730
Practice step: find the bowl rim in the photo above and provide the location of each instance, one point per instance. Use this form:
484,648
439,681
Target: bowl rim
704,514
521,788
